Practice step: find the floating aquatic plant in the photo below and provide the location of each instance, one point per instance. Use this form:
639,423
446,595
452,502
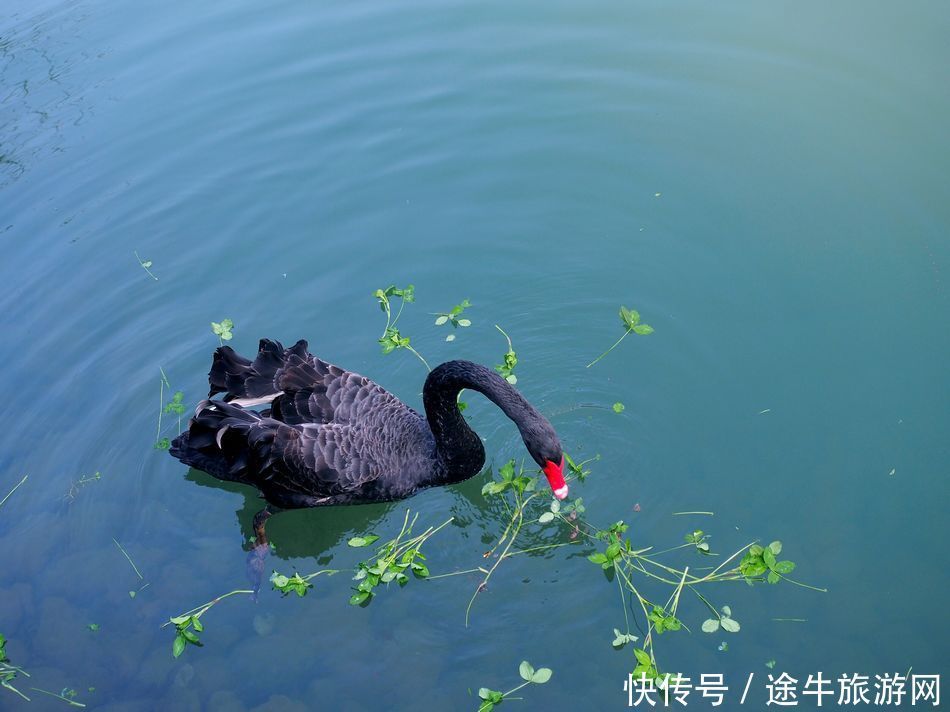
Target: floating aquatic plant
509,360
454,317
392,339
392,560
222,330
491,698
630,318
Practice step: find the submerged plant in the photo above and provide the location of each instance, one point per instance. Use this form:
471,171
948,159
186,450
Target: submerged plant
83,480
454,317
723,619
491,698
391,561
392,339
15,488
630,318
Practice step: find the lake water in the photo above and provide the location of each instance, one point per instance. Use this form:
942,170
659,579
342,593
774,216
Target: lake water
766,183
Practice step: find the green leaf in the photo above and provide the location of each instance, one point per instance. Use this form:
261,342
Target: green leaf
546,517
730,625
643,657
613,551
465,322
494,488
776,547
358,597
178,647
420,570
526,670
483,692
784,567
441,320
541,676
643,329
93,627
710,625
178,620
358,541
769,558
773,577
597,558
726,611
196,624
629,317
190,636
618,407
756,550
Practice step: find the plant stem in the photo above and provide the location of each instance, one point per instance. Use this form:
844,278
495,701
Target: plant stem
419,356
161,404
199,611
126,554
15,488
617,343
142,264
60,697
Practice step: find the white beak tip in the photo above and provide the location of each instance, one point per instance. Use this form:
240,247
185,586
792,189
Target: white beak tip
561,492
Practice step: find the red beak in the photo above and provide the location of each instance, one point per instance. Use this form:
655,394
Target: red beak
555,474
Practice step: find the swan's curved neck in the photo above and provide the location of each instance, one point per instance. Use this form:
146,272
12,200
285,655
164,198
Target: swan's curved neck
458,445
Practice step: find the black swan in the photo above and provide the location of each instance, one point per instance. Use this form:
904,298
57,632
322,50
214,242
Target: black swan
331,436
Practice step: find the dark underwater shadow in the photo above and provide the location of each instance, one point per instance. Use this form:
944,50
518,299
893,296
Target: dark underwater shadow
314,532
298,533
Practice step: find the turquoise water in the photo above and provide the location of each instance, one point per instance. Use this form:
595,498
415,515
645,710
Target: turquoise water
766,183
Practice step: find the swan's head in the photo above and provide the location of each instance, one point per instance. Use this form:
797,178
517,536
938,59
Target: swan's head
545,448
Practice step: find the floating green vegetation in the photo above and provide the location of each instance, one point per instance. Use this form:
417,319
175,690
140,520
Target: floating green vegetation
630,318
9,671
15,488
454,317
618,407
391,338
492,698
188,625
222,330
392,560
509,360
296,584
516,490
146,265
176,406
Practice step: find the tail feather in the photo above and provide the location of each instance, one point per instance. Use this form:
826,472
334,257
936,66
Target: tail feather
239,378
227,441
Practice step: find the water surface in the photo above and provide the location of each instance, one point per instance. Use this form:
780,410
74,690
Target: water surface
766,184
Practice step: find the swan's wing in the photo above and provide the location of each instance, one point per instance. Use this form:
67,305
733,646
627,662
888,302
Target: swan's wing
337,463
300,387
314,391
